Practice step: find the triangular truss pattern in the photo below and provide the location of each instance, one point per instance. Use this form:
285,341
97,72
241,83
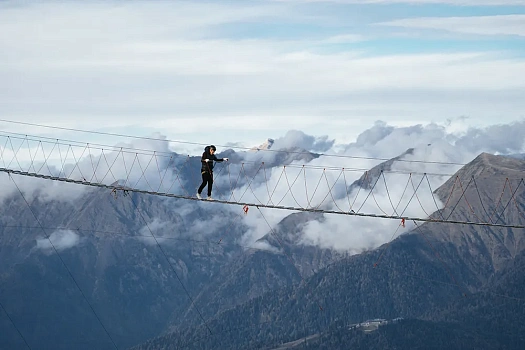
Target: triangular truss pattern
299,187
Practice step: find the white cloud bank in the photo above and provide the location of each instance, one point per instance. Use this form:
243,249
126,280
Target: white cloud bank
418,2
404,192
177,67
320,183
60,240
481,25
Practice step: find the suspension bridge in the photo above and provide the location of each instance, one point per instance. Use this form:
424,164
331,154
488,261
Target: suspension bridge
164,173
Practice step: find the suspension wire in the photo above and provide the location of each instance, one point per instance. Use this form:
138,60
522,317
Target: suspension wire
166,154
172,267
171,195
441,260
387,245
434,199
47,158
14,325
138,235
275,188
266,183
372,189
316,187
417,197
330,188
467,202
64,264
515,201
374,197
511,197
290,187
274,234
462,194
410,200
226,146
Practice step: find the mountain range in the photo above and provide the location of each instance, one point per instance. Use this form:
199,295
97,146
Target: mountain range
164,273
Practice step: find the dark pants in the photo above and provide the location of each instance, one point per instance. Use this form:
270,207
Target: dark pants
207,178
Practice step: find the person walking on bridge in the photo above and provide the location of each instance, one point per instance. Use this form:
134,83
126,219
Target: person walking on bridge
207,161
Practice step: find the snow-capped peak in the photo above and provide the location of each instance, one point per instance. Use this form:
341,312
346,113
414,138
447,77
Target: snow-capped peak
265,145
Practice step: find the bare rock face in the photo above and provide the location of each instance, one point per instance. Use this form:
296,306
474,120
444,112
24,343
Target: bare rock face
489,189
264,146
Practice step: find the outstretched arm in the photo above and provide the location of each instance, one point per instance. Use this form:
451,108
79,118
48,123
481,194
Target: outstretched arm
213,157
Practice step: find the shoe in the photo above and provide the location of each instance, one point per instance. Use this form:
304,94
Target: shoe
199,196
209,198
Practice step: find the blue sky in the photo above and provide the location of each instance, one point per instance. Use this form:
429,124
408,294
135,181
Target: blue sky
242,71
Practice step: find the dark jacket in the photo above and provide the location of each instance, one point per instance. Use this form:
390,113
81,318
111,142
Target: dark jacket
208,167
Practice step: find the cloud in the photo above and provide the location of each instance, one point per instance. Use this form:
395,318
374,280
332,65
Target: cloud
260,223
360,235
136,163
418,2
499,138
322,182
60,240
183,67
207,73
373,135
43,190
393,194
405,191
297,138
158,231
481,25
344,39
